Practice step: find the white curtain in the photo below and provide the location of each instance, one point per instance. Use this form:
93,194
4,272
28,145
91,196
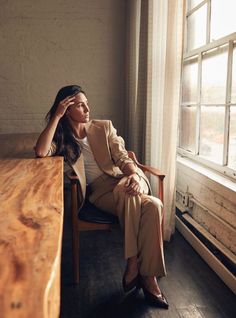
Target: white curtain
154,51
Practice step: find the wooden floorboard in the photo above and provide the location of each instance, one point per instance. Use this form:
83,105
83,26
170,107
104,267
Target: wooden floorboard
191,287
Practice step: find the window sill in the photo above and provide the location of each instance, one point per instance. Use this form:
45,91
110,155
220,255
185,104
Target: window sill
208,173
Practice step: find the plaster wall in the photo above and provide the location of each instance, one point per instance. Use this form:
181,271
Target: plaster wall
48,44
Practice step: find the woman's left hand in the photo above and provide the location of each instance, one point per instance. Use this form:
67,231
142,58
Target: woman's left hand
132,185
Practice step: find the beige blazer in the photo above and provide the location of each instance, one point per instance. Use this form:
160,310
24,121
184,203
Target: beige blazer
108,150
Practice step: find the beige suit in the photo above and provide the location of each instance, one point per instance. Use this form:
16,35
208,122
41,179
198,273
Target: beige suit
140,216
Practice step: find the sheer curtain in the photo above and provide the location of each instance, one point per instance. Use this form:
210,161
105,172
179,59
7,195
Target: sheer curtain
154,50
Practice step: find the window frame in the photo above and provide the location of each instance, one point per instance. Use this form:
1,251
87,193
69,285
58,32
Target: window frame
229,40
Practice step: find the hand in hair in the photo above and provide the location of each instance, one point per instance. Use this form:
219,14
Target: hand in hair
63,105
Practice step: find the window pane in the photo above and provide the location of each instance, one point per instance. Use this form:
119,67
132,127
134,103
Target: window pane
212,133
193,3
189,80
188,128
197,28
232,138
214,75
233,96
223,20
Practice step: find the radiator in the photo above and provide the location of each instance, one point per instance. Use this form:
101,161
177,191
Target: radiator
222,265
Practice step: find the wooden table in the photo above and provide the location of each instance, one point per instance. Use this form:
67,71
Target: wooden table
31,219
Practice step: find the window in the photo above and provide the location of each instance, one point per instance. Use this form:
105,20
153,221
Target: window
207,130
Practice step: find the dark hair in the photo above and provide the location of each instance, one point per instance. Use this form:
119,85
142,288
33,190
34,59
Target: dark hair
66,144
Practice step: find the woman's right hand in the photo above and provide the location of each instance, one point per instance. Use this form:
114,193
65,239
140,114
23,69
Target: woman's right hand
63,105
44,141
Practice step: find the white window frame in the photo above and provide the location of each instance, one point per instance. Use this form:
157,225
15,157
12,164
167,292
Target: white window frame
229,40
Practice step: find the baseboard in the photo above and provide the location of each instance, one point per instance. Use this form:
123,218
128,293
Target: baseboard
228,278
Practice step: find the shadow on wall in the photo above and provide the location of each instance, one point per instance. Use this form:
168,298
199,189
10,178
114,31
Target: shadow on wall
17,145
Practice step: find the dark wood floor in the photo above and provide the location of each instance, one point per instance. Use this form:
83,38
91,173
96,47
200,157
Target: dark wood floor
191,287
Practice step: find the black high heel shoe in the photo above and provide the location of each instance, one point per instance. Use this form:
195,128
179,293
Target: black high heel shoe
135,283
159,301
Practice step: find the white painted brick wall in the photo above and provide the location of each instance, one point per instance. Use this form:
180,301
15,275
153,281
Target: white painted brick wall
48,44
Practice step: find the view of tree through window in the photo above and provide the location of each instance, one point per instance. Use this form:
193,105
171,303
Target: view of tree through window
208,104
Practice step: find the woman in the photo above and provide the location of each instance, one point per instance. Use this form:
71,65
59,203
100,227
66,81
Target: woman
95,152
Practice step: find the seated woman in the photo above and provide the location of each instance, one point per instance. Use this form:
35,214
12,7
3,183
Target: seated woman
98,156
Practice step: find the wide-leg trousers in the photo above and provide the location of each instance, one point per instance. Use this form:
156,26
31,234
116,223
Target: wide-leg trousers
140,218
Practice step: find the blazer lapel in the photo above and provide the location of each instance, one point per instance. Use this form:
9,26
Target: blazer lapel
98,143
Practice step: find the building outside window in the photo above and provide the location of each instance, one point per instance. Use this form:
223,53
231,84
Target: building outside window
207,128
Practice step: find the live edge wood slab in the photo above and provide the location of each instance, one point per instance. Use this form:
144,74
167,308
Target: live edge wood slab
31,219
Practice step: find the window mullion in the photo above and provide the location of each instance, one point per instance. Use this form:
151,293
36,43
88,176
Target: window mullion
227,103
185,29
195,8
198,116
208,29
211,45
180,105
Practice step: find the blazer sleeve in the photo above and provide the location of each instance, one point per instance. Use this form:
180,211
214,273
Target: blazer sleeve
117,147
52,150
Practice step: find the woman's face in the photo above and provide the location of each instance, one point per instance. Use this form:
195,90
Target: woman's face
79,112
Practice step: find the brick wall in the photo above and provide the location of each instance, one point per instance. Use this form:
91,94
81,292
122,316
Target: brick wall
48,44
